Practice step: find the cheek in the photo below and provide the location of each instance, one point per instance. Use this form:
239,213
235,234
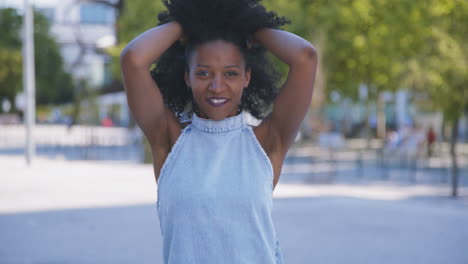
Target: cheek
197,87
198,92
195,92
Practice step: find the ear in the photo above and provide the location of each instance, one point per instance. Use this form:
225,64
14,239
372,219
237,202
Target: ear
247,77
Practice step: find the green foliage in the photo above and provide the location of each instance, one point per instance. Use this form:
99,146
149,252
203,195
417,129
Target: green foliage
385,44
53,84
10,26
10,73
439,67
447,60
137,17
389,44
366,42
10,55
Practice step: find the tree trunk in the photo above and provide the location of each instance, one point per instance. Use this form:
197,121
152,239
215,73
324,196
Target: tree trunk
315,122
381,118
79,97
318,98
13,103
466,123
367,128
442,129
453,156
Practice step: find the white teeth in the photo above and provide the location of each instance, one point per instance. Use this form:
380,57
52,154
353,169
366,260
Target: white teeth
218,101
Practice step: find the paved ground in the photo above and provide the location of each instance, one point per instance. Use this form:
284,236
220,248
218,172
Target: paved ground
104,212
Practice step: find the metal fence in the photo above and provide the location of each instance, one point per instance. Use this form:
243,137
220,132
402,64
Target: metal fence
328,160
354,161
76,142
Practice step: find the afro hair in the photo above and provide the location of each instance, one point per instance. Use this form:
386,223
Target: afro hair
202,21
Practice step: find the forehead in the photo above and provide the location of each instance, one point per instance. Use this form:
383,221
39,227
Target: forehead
218,52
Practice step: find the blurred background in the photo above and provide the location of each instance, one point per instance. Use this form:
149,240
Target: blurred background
378,173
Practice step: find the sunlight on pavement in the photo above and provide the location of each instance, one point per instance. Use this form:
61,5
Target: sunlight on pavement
373,192
58,184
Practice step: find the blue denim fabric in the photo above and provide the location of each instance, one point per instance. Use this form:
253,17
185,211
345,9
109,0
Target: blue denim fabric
215,197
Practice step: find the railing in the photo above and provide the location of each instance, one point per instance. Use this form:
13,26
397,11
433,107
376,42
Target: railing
75,143
315,162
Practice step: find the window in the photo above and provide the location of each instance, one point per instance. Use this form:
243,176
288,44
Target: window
96,13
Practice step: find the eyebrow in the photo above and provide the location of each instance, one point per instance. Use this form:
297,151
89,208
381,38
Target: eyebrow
228,66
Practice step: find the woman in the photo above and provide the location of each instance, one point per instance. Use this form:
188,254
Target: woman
216,175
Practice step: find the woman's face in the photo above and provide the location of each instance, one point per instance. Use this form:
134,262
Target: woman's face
217,76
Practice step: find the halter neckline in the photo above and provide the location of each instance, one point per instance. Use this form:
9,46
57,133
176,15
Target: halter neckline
221,126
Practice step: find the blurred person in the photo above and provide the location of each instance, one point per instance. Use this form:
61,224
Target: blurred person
215,174
392,139
430,140
414,143
107,122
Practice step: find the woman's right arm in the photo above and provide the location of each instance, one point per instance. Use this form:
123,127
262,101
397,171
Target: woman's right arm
143,95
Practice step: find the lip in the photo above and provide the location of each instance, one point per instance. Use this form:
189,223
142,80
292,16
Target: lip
217,104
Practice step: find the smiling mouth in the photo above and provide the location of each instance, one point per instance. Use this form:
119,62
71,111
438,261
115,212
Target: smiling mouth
217,101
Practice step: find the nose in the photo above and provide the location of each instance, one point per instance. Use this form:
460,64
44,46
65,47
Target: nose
216,84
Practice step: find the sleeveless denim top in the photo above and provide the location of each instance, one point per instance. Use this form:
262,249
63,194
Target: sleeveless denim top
215,197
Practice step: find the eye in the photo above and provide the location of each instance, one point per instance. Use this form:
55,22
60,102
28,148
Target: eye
232,73
202,73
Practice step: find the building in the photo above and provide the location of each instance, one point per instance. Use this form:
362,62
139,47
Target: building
83,29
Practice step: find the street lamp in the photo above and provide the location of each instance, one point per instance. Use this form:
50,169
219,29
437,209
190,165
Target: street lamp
29,79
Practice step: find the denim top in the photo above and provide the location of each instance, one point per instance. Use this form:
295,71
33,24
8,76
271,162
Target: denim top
215,196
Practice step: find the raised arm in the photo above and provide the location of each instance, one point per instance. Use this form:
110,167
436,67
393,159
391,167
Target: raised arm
295,95
143,95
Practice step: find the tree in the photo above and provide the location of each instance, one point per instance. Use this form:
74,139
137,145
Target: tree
10,74
10,55
433,39
137,17
387,45
53,84
442,67
366,43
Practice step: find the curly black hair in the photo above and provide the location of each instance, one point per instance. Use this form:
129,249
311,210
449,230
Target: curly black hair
202,21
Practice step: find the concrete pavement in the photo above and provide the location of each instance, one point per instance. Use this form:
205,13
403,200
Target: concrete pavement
104,212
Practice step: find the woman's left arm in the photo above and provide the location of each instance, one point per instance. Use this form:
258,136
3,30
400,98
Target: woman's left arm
294,97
